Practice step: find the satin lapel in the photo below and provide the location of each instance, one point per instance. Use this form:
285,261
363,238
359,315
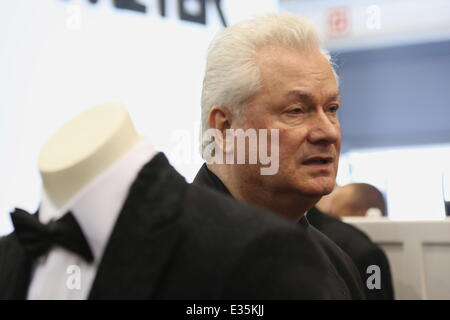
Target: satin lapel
145,236
15,269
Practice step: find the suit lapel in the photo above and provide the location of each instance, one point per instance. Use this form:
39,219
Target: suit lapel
15,269
145,235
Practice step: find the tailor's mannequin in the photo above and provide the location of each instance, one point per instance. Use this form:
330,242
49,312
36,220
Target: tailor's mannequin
87,169
84,148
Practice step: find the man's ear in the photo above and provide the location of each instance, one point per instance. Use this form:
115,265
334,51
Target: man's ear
220,119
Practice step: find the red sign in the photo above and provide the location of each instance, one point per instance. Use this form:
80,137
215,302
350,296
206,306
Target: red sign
338,22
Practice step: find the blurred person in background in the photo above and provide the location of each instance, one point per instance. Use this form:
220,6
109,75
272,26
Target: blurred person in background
356,199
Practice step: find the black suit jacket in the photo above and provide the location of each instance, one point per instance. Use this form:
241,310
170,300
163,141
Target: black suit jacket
360,248
337,266
178,241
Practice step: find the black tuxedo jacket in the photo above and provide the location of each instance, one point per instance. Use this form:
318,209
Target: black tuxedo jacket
344,280
360,248
178,241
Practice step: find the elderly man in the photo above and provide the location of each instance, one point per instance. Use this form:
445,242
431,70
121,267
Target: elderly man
270,73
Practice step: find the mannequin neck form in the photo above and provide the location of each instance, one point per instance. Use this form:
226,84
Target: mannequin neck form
83,148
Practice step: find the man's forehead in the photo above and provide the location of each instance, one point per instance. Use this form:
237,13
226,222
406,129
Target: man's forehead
277,57
278,64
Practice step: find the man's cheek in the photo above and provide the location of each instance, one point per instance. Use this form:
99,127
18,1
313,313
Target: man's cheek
289,148
286,140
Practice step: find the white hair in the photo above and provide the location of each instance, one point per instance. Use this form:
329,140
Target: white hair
232,74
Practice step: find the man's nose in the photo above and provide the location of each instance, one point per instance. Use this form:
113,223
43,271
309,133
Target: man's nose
324,130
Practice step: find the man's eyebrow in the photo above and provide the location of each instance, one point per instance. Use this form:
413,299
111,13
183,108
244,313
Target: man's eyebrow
334,96
301,95
310,97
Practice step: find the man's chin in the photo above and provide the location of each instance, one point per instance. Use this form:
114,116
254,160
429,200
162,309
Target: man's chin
327,191
318,190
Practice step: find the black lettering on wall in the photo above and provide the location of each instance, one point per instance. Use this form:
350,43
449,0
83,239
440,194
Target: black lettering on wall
187,16
183,13
162,7
130,5
219,10
127,5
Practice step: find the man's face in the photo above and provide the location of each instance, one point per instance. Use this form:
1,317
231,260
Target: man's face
299,97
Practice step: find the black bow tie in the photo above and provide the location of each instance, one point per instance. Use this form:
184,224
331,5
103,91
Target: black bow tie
38,238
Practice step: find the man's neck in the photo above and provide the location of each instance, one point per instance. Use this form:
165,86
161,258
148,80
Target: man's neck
291,206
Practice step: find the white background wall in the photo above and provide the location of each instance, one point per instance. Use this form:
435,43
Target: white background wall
58,58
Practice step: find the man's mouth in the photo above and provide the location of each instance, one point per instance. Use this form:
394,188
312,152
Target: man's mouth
318,161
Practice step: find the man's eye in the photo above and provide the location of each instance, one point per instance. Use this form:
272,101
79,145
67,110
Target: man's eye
295,111
333,108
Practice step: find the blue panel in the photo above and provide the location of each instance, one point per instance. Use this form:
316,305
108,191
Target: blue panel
395,96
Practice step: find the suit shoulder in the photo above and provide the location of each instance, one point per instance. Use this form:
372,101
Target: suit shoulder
228,224
354,242
8,245
245,244
6,241
333,249
342,232
222,208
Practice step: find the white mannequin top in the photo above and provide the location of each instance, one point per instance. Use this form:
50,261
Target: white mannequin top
95,203
83,148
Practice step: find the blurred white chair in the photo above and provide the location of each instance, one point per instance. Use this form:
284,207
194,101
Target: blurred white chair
418,253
